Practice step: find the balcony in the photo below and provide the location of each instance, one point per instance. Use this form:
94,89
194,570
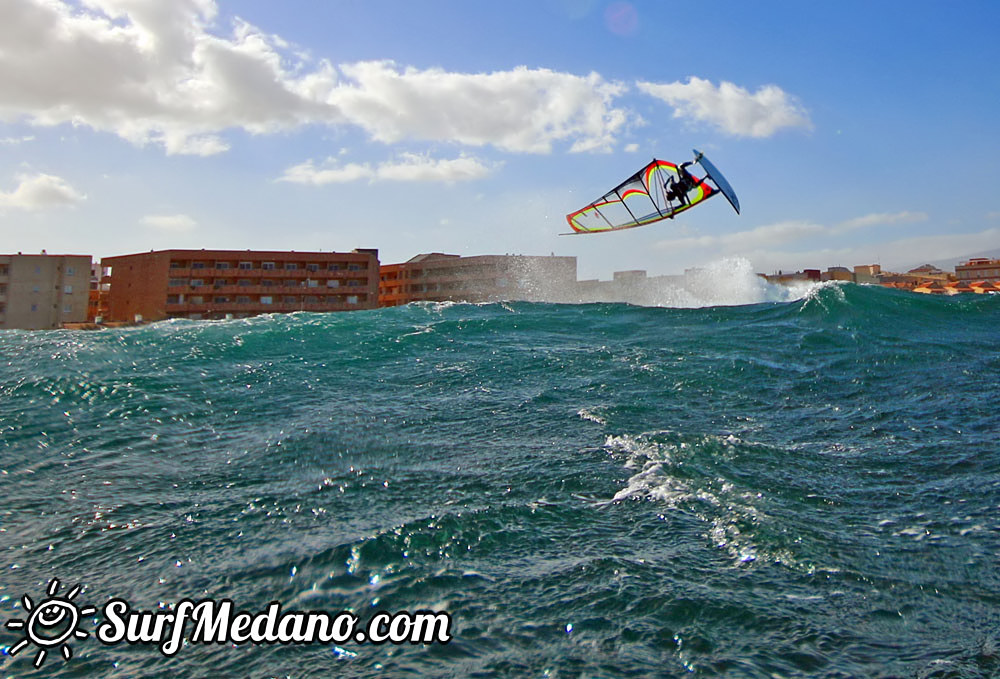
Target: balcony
236,274
258,308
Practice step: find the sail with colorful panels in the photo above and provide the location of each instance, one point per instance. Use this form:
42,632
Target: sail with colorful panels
658,191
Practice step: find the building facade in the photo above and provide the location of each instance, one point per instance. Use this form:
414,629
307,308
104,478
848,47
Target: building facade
979,269
867,273
214,284
97,303
438,277
39,292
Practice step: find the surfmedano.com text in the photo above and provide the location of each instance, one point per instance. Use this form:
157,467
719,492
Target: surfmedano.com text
209,622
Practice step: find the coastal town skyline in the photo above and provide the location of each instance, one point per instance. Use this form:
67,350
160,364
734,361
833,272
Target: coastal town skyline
51,291
475,129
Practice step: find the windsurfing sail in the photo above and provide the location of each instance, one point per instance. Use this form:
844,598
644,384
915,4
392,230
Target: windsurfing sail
646,198
712,172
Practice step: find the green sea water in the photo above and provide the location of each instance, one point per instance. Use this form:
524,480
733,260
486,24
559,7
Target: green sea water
797,489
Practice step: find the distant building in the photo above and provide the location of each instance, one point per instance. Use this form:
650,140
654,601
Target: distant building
978,270
43,291
623,286
837,273
867,273
785,277
212,284
928,270
629,276
439,277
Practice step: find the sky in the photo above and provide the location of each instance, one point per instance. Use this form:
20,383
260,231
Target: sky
853,132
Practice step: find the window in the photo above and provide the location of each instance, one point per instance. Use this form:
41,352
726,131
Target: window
177,265
196,299
246,265
194,317
333,283
354,267
70,271
312,267
312,283
68,309
290,299
333,267
222,265
219,282
353,284
34,288
176,281
197,265
352,299
34,307
267,282
291,266
265,300
221,299
243,299
269,266
195,282
173,299
245,282
311,299
67,289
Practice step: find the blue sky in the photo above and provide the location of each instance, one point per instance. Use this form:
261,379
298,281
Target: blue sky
853,132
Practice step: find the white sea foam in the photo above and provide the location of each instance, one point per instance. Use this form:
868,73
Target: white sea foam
729,281
589,414
662,476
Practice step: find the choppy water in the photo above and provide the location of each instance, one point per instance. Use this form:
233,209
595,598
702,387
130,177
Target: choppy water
809,488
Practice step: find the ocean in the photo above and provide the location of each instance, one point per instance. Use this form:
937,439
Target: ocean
807,487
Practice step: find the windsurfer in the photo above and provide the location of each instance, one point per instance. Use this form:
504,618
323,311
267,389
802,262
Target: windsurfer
678,187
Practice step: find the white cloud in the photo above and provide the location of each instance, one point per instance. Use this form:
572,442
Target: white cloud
175,223
11,141
39,192
154,72
882,219
731,108
631,148
524,110
767,236
409,167
894,255
328,173
793,245
906,251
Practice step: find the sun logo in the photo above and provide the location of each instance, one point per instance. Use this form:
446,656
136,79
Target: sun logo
52,623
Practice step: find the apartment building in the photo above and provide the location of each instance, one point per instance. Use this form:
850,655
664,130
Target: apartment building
978,269
43,291
439,277
214,284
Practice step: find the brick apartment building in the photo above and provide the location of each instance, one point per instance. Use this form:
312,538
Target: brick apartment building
213,284
437,277
39,292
